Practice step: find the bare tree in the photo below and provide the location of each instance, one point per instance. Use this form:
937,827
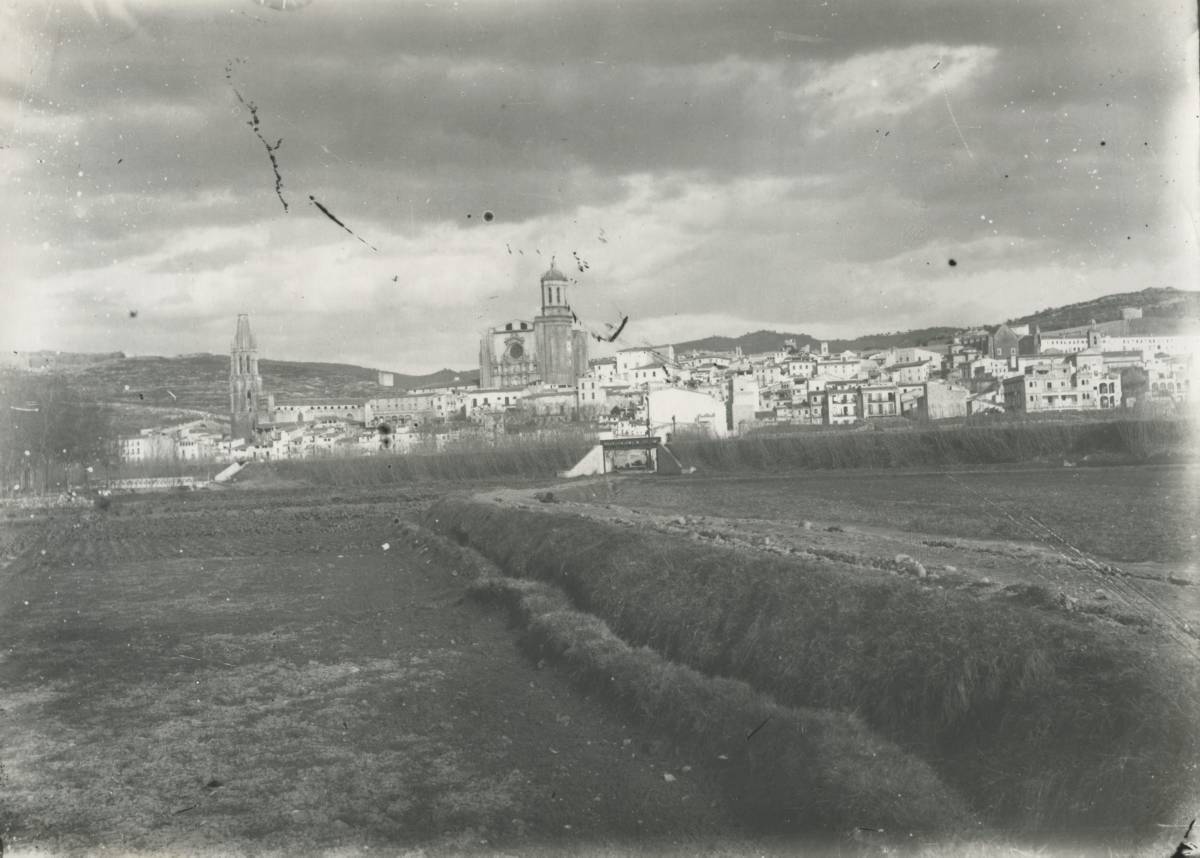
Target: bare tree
47,425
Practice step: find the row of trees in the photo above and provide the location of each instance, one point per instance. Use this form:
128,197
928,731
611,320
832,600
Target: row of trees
50,431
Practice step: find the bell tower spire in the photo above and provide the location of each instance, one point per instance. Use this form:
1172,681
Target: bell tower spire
245,384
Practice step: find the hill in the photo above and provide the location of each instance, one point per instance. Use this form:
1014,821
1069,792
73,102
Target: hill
1172,307
1153,302
201,381
54,361
769,341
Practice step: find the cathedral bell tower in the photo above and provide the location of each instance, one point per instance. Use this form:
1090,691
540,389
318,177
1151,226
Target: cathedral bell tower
245,384
561,347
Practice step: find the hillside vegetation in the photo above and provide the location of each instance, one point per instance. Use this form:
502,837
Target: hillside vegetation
1160,302
201,381
770,341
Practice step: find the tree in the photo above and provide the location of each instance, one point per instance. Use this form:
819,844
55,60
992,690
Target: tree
48,424
1134,385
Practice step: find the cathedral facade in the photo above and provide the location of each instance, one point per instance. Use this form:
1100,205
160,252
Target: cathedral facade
550,350
245,384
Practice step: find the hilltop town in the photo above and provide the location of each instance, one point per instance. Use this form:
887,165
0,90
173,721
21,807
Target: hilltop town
535,375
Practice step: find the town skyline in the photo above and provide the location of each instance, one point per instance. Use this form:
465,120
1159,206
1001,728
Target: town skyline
808,170
603,350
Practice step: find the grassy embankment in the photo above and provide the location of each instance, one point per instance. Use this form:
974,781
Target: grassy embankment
544,456
783,768
967,444
1042,720
1006,442
511,456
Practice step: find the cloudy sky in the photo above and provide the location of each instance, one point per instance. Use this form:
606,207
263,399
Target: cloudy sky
720,167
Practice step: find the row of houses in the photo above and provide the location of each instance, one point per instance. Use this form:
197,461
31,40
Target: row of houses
1010,368
197,441
800,385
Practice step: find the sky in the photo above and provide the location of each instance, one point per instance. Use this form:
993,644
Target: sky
714,167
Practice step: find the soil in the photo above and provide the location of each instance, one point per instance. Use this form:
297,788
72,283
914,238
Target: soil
286,671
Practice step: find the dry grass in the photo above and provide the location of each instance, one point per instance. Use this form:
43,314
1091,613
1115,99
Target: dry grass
1043,720
545,455
510,456
801,770
994,442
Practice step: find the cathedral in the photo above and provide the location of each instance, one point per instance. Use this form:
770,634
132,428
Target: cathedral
245,384
551,350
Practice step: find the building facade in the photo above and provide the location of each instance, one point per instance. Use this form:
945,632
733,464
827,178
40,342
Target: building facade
550,350
1079,382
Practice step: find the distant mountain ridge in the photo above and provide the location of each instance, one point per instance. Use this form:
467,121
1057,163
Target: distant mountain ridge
771,341
201,381
1161,303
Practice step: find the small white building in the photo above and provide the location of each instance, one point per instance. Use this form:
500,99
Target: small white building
638,357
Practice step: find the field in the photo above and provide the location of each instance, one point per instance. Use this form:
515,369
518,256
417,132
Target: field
286,669
258,671
1047,677
1122,513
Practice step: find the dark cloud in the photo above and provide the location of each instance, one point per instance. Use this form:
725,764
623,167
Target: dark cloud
782,145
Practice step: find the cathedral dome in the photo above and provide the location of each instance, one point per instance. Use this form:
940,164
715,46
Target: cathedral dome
554,274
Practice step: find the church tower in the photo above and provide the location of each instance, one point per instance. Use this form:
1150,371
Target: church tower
560,361
245,384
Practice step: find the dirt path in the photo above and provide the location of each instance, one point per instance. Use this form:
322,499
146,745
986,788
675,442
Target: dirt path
279,672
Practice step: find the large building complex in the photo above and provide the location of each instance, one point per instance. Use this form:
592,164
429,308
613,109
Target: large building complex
551,350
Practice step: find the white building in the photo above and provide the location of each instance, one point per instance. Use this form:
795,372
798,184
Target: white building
492,399
839,368
676,410
590,393
638,357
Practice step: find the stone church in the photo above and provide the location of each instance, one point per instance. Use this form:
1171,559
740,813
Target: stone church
550,350
245,384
